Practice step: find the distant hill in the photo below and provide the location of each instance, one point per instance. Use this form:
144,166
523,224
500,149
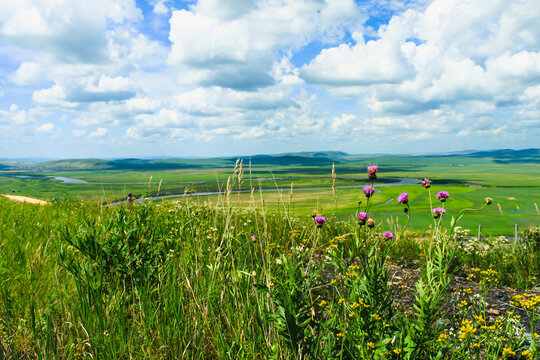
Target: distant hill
504,156
308,158
286,160
509,155
501,156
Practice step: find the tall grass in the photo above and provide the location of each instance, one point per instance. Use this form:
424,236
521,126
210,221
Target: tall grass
210,281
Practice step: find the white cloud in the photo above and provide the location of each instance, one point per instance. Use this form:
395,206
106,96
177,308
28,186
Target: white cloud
215,101
233,71
28,73
99,133
15,117
45,128
362,64
68,29
77,92
468,59
233,45
343,123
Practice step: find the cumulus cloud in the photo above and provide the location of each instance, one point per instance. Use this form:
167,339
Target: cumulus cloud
45,128
99,133
71,30
442,58
233,45
261,71
28,73
86,90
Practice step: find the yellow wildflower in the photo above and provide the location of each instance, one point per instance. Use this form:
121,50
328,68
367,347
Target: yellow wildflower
508,351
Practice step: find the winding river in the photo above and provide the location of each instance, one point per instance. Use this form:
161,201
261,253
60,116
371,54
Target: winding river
398,182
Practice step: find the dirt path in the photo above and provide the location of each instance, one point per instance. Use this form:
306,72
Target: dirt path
26,199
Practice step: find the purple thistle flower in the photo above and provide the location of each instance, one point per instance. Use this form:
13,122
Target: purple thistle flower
368,190
387,235
320,221
442,196
438,212
426,183
252,237
372,171
403,198
362,217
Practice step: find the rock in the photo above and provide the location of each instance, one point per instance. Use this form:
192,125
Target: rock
494,312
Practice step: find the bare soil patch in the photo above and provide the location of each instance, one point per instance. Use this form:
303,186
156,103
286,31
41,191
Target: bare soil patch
26,199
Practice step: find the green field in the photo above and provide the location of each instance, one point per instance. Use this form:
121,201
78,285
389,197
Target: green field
511,178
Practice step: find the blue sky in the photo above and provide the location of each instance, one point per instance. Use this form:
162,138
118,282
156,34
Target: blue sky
144,78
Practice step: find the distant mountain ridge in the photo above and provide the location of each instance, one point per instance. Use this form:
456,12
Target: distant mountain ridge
307,158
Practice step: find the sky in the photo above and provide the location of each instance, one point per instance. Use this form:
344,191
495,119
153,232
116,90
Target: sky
147,78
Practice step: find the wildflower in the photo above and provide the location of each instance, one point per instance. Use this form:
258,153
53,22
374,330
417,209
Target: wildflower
438,212
479,318
252,237
362,217
403,198
320,221
322,303
442,338
371,223
397,351
466,329
508,351
351,314
442,196
375,317
372,171
370,345
426,183
525,353
387,235
340,335
341,300
488,201
368,191
314,213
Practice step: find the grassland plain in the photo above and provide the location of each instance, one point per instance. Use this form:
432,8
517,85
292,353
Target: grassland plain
170,280
512,178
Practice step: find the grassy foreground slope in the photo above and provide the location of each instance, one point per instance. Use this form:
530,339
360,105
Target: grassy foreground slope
192,280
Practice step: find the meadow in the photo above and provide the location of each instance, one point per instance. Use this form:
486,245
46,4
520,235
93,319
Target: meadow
511,178
260,275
